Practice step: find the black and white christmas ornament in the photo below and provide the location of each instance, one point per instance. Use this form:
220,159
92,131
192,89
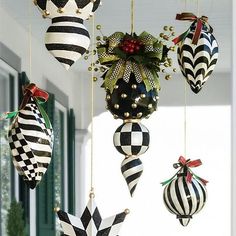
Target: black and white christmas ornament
131,139
31,137
131,100
185,193
197,51
67,39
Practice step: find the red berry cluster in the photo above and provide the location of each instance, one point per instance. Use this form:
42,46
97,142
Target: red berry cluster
130,45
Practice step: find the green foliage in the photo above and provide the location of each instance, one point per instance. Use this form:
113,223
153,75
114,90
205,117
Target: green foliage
15,220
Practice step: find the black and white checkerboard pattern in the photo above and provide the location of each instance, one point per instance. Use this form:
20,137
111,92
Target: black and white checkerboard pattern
131,139
31,144
91,223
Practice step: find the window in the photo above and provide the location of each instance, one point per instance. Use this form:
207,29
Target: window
208,138
8,101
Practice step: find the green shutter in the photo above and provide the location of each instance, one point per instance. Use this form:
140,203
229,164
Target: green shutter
24,195
71,162
45,193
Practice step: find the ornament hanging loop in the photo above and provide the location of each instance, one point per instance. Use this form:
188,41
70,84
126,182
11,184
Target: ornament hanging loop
132,17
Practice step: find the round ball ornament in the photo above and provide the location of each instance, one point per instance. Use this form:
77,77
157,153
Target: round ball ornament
131,139
185,194
67,39
131,100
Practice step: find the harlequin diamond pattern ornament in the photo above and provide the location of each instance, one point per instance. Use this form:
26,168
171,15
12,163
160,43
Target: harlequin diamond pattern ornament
185,193
67,39
31,137
91,222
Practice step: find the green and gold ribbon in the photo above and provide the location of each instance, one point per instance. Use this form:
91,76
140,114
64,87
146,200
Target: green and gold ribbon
121,65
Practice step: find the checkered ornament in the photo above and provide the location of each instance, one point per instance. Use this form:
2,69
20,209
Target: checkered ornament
131,139
91,222
31,144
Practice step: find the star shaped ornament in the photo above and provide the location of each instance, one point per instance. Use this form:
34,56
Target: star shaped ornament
91,222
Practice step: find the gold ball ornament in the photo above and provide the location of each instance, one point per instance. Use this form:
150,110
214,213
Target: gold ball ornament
98,27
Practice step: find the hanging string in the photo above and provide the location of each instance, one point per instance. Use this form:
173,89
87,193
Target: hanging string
185,5
30,38
185,118
198,8
132,17
92,107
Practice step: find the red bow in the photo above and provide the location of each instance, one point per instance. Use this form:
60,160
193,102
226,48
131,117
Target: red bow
32,90
200,21
190,164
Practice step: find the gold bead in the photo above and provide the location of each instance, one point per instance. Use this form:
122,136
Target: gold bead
94,52
116,106
150,106
126,114
104,38
98,38
45,13
87,52
134,86
163,71
95,79
127,211
89,68
108,97
97,62
123,95
168,77
98,44
171,28
78,11
161,35
172,49
174,70
173,33
143,95
95,69
98,27
134,105
165,28
166,64
56,209
116,86
139,115
85,57
60,10
102,69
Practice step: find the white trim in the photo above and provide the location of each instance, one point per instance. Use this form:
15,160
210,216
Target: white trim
9,70
32,216
64,110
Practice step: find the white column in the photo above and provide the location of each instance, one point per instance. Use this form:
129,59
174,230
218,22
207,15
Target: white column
33,219
233,170
81,138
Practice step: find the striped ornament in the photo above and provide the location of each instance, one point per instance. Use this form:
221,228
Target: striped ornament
67,40
31,144
184,199
197,62
132,169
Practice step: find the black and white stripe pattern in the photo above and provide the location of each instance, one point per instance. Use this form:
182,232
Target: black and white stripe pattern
184,199
197,62
31,144
91,222
132,169
67,40
131,139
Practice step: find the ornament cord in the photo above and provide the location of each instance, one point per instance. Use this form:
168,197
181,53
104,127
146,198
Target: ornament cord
92,107
132,17
30,38
185,5
185,117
